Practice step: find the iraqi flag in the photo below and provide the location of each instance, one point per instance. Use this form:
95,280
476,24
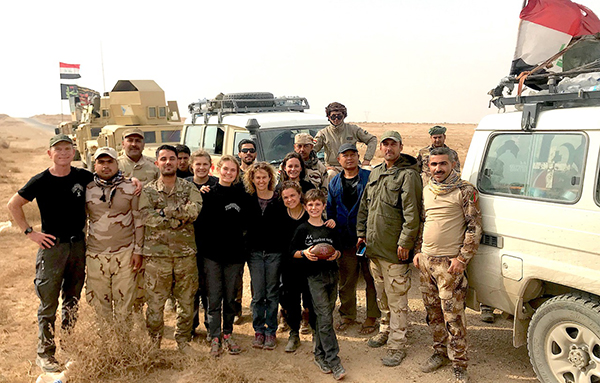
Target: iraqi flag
69,71
548,26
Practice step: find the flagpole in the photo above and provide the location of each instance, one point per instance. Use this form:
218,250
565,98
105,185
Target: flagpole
102,64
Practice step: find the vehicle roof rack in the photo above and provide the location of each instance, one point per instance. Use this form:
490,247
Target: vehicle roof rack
232,103
534,104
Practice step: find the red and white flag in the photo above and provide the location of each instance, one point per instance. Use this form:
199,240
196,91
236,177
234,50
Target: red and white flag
69,71
546,27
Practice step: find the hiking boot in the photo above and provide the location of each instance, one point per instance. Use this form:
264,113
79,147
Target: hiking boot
304,324
270,342
338,372
238,320
434,362
215,347
293,343
185,348
460,375
378,340
230,345
393,358
259,340
487,316
48,363
282,323
322,365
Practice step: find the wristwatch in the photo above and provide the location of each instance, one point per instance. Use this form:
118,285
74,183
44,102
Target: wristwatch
28,230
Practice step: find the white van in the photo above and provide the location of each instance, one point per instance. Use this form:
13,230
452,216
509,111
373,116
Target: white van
538,174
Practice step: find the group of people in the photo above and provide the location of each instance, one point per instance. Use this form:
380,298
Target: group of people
167,228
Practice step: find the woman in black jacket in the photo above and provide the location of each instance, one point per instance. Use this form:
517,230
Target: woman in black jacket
266,245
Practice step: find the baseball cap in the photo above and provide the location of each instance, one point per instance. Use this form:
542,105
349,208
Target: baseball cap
304,138
131,132
60,138
392,135
346,147
105,151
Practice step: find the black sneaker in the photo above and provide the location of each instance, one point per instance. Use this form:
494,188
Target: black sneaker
322,365
338,372
48,363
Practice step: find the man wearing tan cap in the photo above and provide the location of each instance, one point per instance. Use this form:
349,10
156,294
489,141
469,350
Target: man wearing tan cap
437,134
316,172
133,163
115,238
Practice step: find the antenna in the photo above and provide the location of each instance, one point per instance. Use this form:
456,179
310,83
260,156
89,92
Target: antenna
102,64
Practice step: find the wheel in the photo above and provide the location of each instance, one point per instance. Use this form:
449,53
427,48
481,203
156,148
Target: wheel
254,99
563,340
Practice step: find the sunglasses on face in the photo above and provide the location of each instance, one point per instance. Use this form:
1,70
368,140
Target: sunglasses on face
336,116
248,150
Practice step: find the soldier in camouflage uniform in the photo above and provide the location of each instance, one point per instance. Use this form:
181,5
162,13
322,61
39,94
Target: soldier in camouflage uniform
437,135
316,172
115,238
170,205
133,163
451,233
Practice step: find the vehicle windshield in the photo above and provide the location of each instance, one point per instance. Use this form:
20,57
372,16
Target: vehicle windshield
276,143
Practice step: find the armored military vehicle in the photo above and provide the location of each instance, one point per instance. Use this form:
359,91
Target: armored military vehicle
134,103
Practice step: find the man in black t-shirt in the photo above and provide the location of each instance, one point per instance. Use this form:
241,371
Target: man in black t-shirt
60,265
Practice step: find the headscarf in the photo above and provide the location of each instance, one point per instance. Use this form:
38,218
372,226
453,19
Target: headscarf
449,184
110,184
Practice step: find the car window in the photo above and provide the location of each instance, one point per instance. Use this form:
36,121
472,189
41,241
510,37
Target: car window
598,185
150,137
213,139
193,133
95,132
276,143
547,166
170,136
239,136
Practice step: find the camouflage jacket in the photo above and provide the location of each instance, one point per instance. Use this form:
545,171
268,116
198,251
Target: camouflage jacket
332,137
452,222
390,209
423,162
169,218
316,172
144,170
114,228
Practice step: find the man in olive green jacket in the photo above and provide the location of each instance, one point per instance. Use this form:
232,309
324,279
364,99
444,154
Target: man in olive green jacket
388,222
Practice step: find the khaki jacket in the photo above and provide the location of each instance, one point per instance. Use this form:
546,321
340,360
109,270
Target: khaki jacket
332,137
390,209
316,172
144,170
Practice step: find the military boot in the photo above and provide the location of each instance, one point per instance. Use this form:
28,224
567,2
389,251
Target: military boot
434,362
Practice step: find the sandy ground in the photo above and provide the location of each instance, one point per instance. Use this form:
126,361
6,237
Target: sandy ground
493,359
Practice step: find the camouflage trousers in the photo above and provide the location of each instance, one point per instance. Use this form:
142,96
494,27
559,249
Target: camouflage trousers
110,283
165,276
392,282
444,297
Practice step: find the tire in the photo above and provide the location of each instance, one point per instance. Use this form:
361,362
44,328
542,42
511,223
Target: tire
254,100
563,340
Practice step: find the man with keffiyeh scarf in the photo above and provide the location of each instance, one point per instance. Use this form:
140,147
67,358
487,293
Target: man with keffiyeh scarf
115,238
451,233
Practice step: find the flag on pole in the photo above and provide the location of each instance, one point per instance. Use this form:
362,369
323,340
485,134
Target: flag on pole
69,71
67,90
547,26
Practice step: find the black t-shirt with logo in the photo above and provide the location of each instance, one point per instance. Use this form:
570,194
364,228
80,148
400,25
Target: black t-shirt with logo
307,235
61,201
349,191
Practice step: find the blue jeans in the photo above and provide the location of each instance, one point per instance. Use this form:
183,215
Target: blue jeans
265,278
323,290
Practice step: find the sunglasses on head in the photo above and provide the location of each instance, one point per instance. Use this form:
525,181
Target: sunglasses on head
248,150
336,116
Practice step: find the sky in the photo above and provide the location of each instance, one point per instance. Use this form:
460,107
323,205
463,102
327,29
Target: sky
386,60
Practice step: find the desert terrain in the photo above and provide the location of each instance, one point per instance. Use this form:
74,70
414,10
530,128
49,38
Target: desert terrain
23,145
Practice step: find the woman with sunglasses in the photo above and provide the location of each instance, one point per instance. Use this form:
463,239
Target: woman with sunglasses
294,169
224,252
337,133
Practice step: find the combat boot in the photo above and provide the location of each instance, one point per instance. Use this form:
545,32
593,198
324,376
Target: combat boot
434,362
393,358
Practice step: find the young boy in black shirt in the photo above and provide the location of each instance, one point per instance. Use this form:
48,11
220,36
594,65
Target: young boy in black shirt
322,278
